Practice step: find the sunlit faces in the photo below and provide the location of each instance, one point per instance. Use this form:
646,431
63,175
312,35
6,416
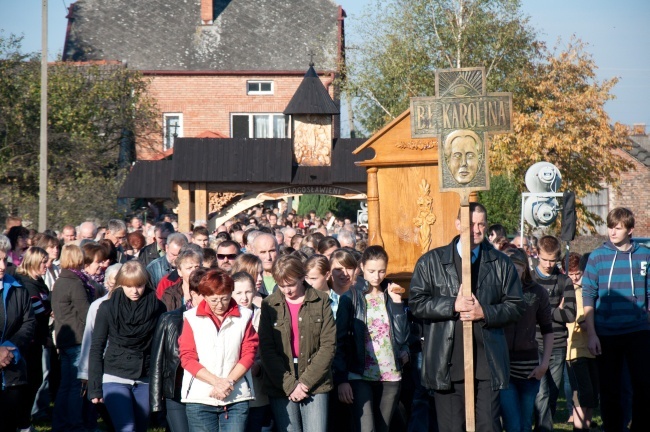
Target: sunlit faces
619,235
328,253
374,271
226,256
218,304
53,253
477,229
266,251
42,268
243,293
317,280
68,235
575,276
3,264
93,268
133,293
547,261
201,240
342,277
292,290
186,268
173,250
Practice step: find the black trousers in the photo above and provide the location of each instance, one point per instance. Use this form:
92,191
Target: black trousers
634,348
450,407
12,402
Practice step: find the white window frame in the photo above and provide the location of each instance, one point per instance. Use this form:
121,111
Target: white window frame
260,92
179,131
251,123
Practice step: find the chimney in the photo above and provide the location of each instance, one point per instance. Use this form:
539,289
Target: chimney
207,12
638,129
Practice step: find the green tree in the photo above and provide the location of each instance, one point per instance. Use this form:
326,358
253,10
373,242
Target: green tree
503,202
403,42
560,117
95,113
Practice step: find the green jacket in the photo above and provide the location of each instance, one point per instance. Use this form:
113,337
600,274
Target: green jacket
317,344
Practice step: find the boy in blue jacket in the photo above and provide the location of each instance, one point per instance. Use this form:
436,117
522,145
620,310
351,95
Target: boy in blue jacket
615,296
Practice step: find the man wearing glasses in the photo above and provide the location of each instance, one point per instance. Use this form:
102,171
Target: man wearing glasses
227,252
562,299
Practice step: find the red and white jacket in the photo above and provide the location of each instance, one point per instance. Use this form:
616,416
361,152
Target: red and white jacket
218,347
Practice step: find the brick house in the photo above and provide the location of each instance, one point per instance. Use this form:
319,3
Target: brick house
633,191
218,68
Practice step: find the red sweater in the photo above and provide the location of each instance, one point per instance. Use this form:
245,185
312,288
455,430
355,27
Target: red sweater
187,343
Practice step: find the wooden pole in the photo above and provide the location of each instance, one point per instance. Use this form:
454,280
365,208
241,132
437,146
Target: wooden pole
42,171
374,226
468,342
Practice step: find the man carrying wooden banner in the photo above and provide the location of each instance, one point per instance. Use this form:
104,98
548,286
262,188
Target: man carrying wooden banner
466,291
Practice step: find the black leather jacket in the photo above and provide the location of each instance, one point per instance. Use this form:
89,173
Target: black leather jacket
351,331
434,288
165,361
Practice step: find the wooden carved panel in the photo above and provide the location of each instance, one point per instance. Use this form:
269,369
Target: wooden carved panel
425,216
219,200
312,140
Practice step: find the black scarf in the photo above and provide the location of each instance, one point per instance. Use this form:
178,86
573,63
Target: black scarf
134,321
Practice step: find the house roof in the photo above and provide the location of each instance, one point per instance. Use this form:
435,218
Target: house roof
311,97
640,148
148,179
247,35
232,160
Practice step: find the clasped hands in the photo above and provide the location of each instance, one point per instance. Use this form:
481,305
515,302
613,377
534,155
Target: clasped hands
299,393
468,307
221,388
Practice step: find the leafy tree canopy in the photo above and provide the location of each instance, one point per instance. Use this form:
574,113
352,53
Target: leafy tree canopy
559,117
95,113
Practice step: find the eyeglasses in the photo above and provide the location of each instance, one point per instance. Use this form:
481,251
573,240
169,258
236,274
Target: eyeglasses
222,257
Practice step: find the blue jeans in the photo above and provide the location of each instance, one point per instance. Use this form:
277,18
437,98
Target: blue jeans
68,406
422,412
549,390
128,406
517,402
176,416
208,418
309,415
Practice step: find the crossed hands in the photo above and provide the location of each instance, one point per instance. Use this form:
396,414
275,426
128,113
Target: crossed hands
299,393
468,307
6,356
221,389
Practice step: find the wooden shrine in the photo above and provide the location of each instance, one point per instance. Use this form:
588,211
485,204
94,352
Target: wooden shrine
408,215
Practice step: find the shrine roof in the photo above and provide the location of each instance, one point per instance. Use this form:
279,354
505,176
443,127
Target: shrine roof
311,97
148,179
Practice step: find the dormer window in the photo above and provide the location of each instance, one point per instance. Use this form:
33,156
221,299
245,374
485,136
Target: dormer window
259,87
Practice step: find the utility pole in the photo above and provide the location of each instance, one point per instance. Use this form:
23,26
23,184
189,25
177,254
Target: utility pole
42,184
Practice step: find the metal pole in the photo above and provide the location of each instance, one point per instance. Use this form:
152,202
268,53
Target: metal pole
42,184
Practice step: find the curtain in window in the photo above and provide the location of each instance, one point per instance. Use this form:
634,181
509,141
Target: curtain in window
279,126
262,126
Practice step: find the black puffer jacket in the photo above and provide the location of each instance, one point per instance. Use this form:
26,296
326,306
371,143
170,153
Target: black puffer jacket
351,332
17,329
164,378
434,288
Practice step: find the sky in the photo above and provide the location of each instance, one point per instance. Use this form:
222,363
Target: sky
617,33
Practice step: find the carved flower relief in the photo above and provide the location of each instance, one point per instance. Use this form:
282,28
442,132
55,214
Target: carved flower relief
425,216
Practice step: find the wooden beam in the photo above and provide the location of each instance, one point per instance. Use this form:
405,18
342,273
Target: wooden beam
184,207
200,202
468,336
374,226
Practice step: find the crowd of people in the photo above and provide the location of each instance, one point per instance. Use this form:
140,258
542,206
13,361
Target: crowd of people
275,322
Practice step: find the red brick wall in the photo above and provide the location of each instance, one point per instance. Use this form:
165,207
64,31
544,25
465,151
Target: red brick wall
635,195
207,102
